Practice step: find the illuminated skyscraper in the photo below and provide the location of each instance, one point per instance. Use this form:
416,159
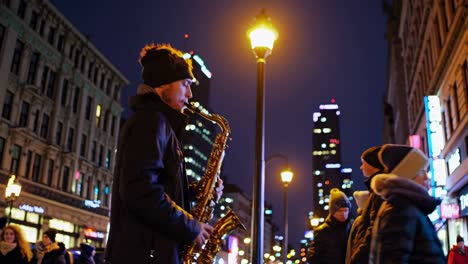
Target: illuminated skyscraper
328,172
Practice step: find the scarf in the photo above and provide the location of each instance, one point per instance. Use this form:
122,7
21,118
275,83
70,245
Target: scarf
6,247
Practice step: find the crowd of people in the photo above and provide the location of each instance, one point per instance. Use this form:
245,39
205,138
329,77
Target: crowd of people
15,249
392,225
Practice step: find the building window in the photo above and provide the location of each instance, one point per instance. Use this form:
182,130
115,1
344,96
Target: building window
109,86
103,78
106,195
45,73
106,120
61,42
77,58
98,115
33,21
108,159
51,37
41,28
44,126
58,134
90,69
65,178
15,158
93,151
97,190
24,114
51,85
2,148
36,167
33,68
95,76
63,100
82,64
50,172
101,153
71,133
116,92
17,55
7,105
2,34
88,108
112,125
21,9
36,121
84,138
76,99
28,164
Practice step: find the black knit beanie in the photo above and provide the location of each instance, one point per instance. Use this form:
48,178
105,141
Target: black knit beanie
402,160
460,239
370,156
51,233
338,199
163,64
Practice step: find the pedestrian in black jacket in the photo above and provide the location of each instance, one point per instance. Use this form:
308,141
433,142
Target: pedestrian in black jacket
48,250
359,241
150,218
402,232
329,244
86,254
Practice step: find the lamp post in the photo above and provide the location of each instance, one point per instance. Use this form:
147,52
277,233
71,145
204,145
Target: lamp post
286,178
12,191
262,37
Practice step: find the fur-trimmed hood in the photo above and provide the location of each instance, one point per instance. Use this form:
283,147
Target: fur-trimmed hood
389,185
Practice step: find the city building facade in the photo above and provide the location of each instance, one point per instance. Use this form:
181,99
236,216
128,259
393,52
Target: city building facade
59,123
426,102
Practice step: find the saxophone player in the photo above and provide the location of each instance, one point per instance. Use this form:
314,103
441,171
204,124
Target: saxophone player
150,220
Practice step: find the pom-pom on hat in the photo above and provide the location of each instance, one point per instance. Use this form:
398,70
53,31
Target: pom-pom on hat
361,198
402,160
370,156
163,64
51,233
338,200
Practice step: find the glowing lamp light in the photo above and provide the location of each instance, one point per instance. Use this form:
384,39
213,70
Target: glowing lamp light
13,188
262,34
286,176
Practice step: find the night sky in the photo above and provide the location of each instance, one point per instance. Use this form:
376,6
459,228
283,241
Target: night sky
326,49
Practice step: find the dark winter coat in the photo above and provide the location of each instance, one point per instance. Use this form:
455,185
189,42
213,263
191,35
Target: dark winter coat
13,257
150,205
402,232
329,244
359,242
456,256
83,259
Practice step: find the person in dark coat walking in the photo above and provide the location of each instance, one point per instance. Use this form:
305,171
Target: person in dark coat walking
14,249
360,241
329,244
150,219
459,253
86,255
402,232
48,250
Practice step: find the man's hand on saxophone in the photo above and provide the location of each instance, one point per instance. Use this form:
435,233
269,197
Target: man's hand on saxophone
205,232
219,189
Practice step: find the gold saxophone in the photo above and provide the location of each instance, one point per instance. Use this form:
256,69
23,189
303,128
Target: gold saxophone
206,197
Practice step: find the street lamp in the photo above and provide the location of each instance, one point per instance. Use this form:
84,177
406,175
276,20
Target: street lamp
286,178
262,37
12,191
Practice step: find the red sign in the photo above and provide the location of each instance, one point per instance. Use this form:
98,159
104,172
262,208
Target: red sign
449,211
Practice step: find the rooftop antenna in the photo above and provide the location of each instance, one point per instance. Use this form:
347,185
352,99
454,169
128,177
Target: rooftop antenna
186,37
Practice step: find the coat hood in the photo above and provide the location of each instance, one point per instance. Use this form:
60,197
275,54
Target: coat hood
390,185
